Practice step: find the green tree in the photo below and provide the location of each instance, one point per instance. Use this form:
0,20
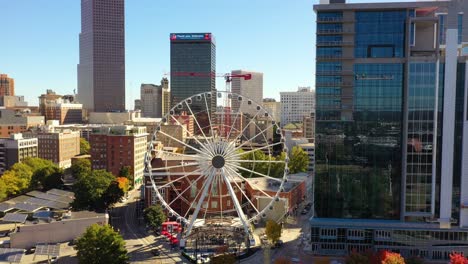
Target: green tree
273,231
101,244
154,216
13,183
47,178
112,194
3,190
260,167
277,169
90,189
299,161
80,168
84,146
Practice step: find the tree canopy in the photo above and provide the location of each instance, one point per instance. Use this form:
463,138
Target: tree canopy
94,191
80,167
84,146
154,216
29,174
101,244
299,161
273,231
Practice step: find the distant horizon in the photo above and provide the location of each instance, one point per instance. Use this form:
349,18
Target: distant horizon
271,37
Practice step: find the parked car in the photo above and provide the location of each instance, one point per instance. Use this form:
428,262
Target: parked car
304,212
155,252
308,206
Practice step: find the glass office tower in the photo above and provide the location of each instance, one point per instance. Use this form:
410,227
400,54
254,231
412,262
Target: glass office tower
193,67
390,128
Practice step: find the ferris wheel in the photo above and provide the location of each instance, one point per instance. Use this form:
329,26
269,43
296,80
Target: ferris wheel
215,164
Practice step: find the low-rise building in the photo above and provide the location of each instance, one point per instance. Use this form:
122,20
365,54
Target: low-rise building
261,190
11,101
12,122
62,108
114,147
15,149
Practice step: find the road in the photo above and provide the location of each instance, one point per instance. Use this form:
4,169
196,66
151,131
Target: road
293,231
126,219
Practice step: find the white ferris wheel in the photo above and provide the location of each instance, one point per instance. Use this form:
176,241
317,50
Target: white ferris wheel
204,166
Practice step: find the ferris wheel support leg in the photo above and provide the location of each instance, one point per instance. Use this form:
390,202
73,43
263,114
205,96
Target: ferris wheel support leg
199,204
236,204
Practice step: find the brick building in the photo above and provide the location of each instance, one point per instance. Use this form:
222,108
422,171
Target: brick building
63,108
7,85
12,122
115,147
162,176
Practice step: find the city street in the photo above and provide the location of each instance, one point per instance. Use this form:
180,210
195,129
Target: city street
139,242
293,230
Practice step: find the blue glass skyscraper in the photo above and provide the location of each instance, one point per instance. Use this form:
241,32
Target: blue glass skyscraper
391,110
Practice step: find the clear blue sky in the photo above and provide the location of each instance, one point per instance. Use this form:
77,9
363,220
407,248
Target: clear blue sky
39,41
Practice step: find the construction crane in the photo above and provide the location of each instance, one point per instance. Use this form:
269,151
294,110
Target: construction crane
227,77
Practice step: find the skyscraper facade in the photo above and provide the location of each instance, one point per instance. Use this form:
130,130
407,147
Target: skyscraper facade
7,85
193,68
251,88
391,113
152,99
101,71
296,105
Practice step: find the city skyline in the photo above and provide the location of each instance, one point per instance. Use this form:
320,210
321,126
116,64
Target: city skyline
254,42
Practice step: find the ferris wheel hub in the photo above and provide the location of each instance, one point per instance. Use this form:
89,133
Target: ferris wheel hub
218,162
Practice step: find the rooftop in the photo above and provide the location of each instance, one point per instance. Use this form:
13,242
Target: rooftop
380,5
270,185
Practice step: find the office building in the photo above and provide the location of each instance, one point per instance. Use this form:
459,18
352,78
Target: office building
101,70
250,88
115,147
57,146
151,99
15,149
391,129
296,105
12,101
12,122
273,107
7,85
62,108
193,69
137,105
